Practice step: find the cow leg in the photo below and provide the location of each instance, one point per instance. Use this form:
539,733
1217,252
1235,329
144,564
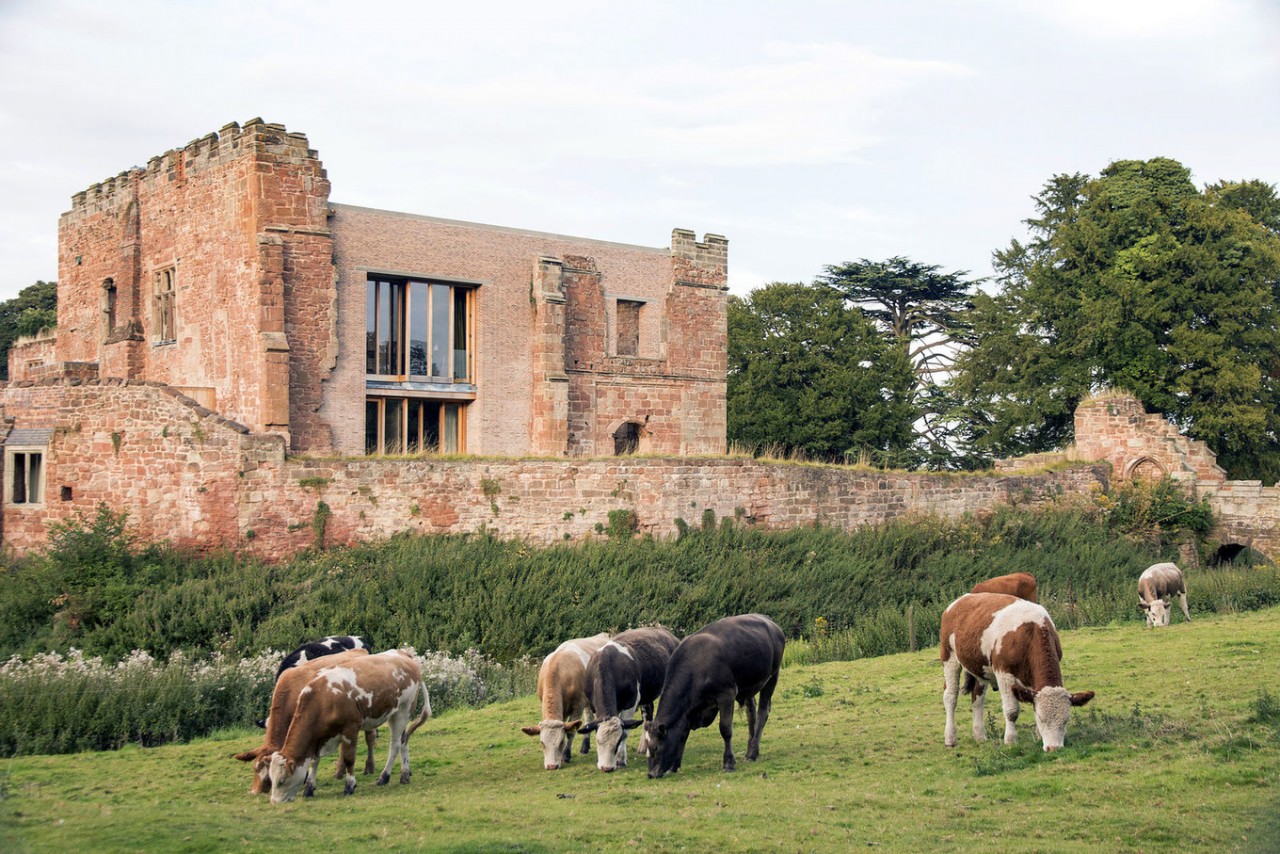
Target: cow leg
950,693
761,717
979,707
309,782
405,773
347,758
1182,598
750,705
397,739
726,731
1005,683
370,737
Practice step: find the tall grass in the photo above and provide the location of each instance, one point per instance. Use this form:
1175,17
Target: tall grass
509,599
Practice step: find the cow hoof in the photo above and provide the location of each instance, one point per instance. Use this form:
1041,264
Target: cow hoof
309,792
404,778
730,767
951,743
384,778
350,788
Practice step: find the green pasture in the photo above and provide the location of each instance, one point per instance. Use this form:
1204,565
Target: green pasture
1180,750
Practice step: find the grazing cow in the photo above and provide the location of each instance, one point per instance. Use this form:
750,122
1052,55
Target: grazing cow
562,691
1001,640
1155,586
339,702
730,660
624,675
312,650
284,700
1020,584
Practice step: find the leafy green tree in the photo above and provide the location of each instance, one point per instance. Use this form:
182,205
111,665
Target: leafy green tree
34,308
1134,280
924,310
809,372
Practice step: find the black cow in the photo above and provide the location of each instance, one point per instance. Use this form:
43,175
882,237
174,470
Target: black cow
317,649
625,674
730,660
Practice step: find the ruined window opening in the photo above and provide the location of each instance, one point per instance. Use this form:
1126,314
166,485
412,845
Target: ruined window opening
419,329
627,327
626,440
165,327
26,477
397,425
109,301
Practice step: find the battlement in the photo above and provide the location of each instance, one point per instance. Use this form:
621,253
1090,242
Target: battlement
701,264
263,140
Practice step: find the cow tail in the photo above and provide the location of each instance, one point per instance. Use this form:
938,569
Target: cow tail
426,712
969,684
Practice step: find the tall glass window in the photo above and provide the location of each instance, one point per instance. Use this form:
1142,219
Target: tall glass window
395,425
419,330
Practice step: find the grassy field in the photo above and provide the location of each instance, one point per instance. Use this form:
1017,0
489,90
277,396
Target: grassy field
1180,749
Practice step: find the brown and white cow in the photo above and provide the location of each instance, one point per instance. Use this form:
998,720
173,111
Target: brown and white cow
1001,640
562,691
1157,584
284,700
339,702
1020,584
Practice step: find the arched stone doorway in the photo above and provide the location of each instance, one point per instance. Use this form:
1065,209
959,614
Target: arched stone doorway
626,438
1145,468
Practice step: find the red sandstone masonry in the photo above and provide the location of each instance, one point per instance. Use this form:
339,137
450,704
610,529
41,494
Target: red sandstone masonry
188,476
201,210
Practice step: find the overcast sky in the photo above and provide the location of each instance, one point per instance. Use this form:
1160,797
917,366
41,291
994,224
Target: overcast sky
809,132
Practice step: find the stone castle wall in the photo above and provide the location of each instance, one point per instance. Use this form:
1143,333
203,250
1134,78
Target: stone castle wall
187,475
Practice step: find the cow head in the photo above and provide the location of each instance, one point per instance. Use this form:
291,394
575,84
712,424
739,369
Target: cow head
1053,710
286,778
611,741
261,759
1157,612
555,735
666,746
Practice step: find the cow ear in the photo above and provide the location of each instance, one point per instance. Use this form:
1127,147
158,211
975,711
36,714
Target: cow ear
1024,695
589,728
632,724
572,726
531,730
1081,697
247,756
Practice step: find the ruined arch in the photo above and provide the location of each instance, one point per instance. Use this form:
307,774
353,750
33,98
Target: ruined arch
1144,468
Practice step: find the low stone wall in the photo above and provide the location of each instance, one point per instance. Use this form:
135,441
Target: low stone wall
549,501
186,475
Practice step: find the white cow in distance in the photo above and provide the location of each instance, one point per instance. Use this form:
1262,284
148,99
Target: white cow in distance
1157,584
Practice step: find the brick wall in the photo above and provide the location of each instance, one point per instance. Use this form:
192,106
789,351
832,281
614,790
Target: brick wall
532,289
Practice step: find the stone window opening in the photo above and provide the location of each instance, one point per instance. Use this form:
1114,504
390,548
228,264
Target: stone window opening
396,426
627,327
26,476
1145,468
110,297
164,316
419,329
626,439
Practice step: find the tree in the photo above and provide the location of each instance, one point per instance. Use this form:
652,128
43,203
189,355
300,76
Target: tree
33,309
924,311
1134,280
808,372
